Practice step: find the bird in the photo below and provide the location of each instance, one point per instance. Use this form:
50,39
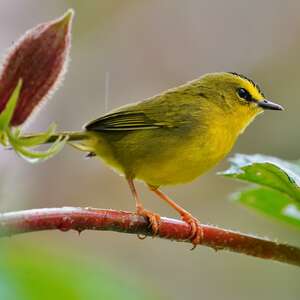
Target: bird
174,137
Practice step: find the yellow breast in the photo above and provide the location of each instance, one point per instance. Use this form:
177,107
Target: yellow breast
187,160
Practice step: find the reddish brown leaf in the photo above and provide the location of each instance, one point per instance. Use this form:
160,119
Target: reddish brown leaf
39,58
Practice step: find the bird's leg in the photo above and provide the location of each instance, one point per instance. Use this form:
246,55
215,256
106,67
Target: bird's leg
196,235
154,219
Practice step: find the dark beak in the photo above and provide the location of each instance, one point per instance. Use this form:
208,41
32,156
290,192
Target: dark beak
266,104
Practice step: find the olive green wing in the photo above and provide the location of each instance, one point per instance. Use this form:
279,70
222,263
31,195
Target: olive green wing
124,120
162,111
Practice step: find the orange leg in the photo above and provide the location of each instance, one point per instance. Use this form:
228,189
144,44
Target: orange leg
196,231
154,219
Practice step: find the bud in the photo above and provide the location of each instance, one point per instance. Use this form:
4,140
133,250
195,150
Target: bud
39,59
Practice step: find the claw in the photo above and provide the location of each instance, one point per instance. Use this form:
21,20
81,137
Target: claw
196,234
141,236
154,219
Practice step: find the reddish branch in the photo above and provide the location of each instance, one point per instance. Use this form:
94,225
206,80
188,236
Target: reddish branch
80,219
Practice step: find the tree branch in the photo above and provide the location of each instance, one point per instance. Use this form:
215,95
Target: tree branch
79,219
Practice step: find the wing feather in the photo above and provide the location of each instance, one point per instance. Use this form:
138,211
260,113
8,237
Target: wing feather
124,120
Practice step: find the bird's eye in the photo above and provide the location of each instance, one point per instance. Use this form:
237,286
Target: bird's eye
244,94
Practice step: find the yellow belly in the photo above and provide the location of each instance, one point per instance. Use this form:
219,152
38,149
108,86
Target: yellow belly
167,160
185,163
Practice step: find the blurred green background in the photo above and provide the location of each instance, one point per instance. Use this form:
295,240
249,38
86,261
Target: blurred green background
146,47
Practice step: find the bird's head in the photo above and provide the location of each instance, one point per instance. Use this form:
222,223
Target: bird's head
237,96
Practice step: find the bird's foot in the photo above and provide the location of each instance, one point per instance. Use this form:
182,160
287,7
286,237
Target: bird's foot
154,219
196,235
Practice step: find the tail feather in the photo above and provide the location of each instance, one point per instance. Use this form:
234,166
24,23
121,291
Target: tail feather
80,140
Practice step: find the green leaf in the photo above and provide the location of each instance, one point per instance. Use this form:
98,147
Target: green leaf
21,145
34,140
271,203
38,156
7,113
282,176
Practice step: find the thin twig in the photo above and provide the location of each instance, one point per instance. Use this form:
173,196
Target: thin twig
79,219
